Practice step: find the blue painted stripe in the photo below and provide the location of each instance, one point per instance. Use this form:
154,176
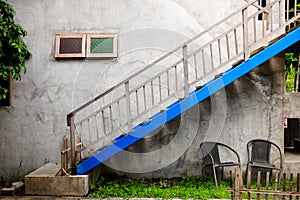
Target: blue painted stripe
195,97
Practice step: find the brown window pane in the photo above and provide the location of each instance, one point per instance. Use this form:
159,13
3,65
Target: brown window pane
70,45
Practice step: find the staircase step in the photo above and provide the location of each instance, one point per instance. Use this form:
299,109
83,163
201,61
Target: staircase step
295,27
219,75
276,39
163,109
117,138
199,87
257,50
237,63
145,121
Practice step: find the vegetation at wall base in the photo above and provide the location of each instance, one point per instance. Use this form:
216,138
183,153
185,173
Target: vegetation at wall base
185,188
292,72
13,50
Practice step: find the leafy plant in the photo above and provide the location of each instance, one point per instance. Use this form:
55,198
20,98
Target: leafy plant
13,50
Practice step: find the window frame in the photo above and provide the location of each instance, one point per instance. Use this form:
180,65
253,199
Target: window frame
70,55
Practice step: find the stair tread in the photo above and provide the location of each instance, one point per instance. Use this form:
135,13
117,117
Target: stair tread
199,87
257,50
276,39
237,63
219,75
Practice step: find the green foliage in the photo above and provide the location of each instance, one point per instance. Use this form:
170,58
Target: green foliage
13,50
290,81
297,7
20,173
185,188
291,65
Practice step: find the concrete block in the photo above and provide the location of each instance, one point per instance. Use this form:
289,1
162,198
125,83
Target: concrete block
44,181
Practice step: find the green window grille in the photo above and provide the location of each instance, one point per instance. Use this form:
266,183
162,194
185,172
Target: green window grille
102,45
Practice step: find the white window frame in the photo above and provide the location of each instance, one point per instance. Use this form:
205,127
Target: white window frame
70,55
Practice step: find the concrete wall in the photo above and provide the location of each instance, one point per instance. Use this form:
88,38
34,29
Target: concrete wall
249,108
31,129
292,105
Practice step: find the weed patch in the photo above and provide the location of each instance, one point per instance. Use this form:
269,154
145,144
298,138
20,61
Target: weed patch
185,188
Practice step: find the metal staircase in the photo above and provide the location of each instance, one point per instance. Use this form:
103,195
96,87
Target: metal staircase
177,81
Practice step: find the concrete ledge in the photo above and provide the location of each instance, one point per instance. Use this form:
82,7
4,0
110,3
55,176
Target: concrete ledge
44,181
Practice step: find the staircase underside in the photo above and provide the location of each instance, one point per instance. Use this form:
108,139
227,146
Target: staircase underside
193,99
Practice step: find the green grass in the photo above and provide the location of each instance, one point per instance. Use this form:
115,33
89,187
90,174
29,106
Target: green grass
185,188
189,187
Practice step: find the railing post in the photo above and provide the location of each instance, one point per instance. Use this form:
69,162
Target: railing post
280,11
71,124
185,70
287,11
245,34
128,108
236,194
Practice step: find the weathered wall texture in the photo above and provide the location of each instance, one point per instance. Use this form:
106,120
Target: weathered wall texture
249,108
292,105
31,129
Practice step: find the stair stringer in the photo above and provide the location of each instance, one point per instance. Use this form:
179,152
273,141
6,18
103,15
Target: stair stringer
183,105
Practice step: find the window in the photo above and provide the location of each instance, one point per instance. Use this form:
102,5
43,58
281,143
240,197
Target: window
101,45
86,45
7,84
70,46
292,134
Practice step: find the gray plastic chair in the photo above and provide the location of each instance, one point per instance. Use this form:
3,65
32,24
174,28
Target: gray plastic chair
211,158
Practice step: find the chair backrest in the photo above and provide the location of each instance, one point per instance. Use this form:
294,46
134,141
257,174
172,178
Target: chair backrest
260,151
210,149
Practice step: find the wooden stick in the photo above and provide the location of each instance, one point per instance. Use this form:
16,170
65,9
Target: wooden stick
258,184
249,184
267,183
298,183
276,185
291,184
284,184
237,184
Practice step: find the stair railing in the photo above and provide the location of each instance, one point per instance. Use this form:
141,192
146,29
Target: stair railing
119,109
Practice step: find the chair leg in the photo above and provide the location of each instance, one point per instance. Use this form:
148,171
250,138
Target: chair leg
215,177
222,174
279,177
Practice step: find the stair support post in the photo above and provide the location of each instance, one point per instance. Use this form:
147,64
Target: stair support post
185,70
245,34
128,108
71,123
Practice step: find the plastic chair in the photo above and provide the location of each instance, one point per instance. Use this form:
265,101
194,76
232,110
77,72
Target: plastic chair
258,151
211,158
